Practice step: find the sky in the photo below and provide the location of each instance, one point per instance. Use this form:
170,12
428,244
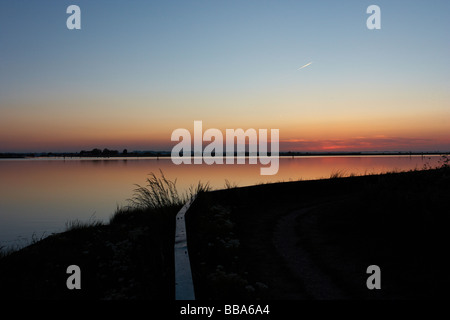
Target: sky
138,70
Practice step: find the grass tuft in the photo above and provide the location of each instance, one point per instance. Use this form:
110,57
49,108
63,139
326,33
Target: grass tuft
230,185
160,193
338,174
78,224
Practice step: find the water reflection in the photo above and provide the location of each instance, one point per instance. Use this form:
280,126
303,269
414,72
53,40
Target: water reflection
41,195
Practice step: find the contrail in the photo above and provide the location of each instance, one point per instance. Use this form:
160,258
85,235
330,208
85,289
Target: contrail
308,64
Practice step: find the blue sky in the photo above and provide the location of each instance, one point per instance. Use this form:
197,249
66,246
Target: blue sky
186,44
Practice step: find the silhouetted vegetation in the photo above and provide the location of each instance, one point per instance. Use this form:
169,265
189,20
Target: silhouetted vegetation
398,221
161,154
129,258
99,153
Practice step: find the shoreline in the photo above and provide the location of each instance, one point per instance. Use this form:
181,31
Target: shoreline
132,257
167,154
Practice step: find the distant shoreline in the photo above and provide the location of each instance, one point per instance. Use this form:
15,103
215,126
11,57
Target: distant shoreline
167,154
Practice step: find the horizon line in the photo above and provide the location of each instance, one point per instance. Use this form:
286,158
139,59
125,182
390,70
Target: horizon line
116,152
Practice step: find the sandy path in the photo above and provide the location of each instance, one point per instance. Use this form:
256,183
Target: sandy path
317,284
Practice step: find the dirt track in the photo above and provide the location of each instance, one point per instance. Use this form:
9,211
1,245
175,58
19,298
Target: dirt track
317,284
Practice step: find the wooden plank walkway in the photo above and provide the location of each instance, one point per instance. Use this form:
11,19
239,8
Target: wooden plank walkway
184,286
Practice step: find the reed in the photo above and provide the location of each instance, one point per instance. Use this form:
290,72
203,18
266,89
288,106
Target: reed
162,193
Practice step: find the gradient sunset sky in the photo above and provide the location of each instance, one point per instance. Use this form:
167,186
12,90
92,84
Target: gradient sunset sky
137,70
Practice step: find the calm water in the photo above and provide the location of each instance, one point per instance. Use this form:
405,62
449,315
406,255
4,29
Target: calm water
38,196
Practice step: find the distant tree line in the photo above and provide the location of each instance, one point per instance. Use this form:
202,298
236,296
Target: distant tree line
115,153
101,153
105,153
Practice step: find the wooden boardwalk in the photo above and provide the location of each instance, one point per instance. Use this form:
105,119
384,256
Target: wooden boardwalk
184,287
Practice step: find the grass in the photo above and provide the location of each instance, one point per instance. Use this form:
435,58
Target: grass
129,257
231,252
7,250
4,251
160,197
78,224
338,174
230,185
443,163
230,243
398,220
158,194
161,193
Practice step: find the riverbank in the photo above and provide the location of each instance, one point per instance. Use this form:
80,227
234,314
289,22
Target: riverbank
129,258
316,239
242,248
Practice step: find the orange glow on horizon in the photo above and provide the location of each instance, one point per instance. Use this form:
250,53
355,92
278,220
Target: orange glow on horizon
147,125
